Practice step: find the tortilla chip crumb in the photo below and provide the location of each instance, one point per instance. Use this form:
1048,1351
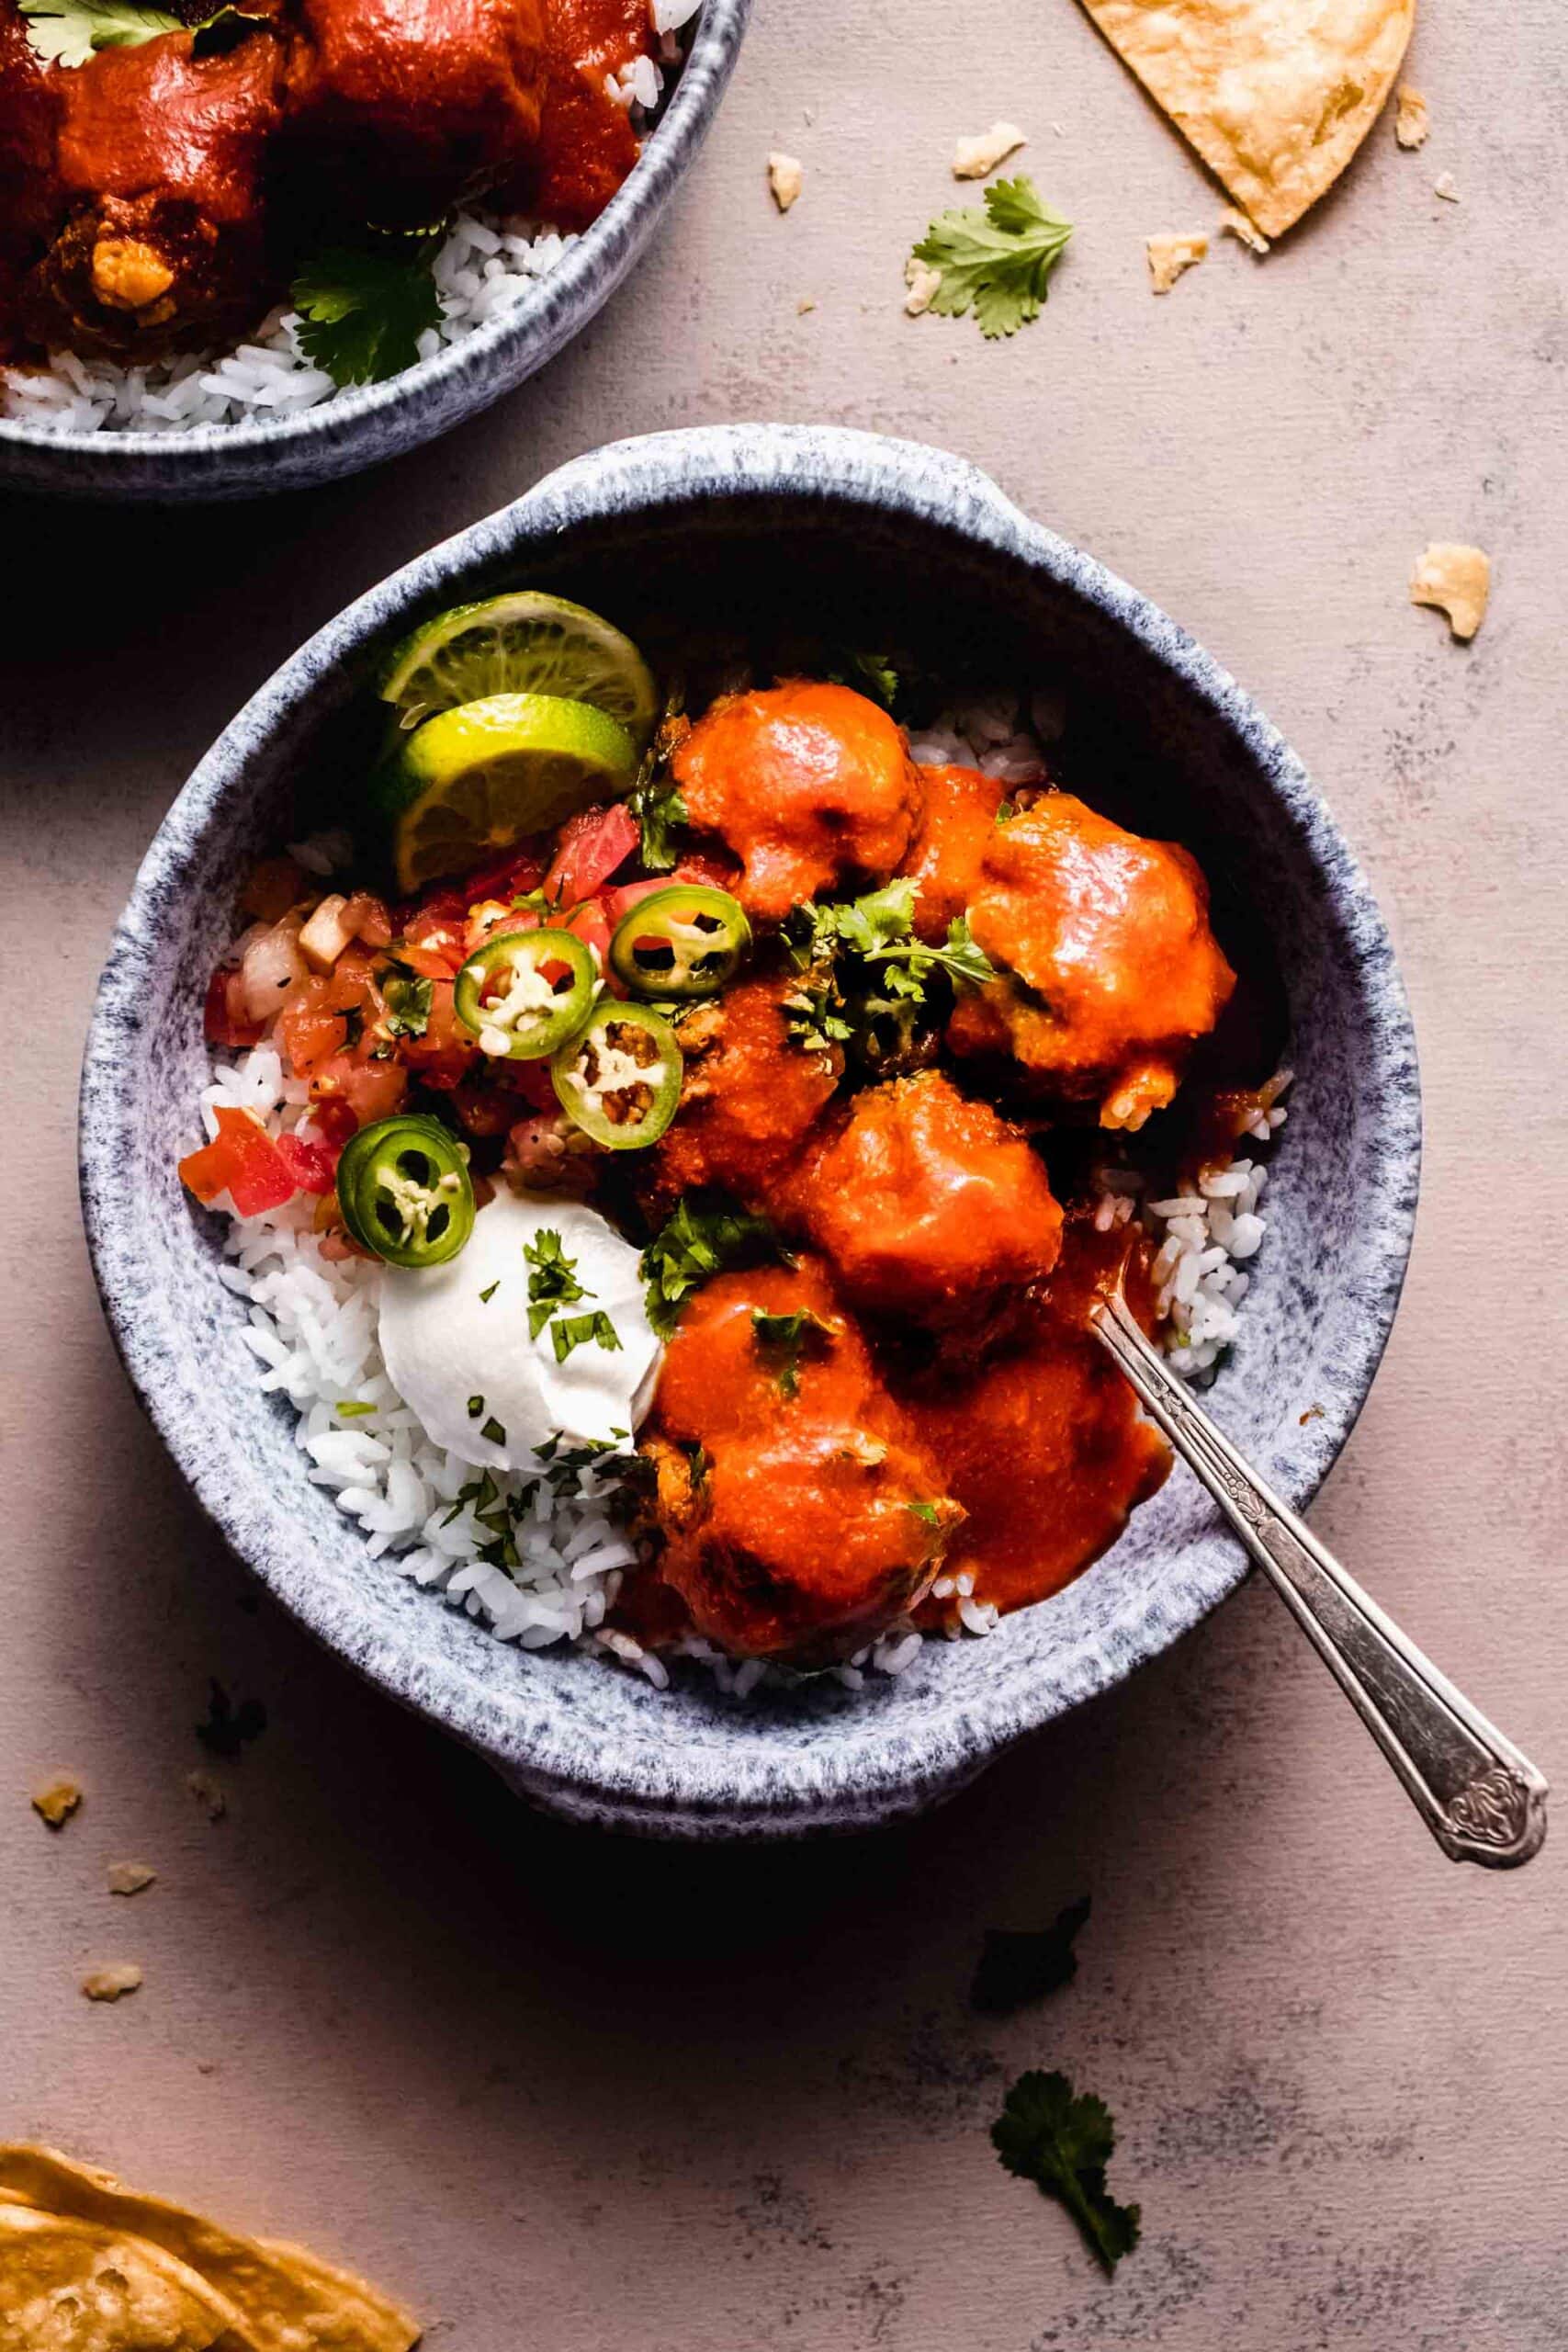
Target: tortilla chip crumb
1238,225
1410,123
922,284
975,159
1170,256
1446,186
808,302
108,1984
786,176
129,1878
1457,580
57,1801
207,1792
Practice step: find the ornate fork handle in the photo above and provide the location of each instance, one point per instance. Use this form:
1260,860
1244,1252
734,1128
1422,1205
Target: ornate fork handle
1480,1799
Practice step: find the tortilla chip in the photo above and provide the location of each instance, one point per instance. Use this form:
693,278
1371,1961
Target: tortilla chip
1457,580
70,2286
288,2300
1275,99
129,1878
111,1983
56,1801
976,159
1168,256
1241,229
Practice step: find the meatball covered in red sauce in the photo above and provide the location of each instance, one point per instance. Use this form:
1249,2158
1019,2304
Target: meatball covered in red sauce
800,1517
927,1202
809,785
1108,972
752,1095
1044,1446
953,831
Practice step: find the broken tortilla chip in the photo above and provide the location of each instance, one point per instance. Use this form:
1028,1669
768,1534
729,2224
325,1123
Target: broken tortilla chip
108,1984
287,2299
1238,226
71,2286
1410,124
1275,99
56,1801
1168,256
1457,580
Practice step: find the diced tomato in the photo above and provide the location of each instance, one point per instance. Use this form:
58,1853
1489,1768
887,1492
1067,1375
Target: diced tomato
589,849
224,1018
619,902
592,924
372,1090
333,1120
433,935
368,918
447,1051
273,887
311,1165
244,1161
310,1031
509,876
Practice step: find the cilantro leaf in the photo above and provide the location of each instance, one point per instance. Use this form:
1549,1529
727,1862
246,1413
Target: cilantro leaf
866,975
1019,1965
408,999
659,810
552,1282
786,1338
998,261
568,1331
363,308
1063,2144
223,30
869,673
66,32
703,1234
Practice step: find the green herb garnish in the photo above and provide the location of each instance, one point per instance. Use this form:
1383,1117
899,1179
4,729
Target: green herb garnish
1025,1964
659,810
408,999
476,1406
351,1409
996,261
363,308
785,1339
493,1431
705,1234
1063,2144
866,976
552,1279
486,1295
570,1331
928,1511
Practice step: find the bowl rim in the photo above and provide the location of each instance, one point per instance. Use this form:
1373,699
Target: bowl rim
857,1772
572,281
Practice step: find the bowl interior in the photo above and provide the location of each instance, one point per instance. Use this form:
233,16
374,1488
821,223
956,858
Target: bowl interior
1174,746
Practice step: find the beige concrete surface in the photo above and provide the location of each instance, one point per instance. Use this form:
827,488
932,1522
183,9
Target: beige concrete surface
573,2095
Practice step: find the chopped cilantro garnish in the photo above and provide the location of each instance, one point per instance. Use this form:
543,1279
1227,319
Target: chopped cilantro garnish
1063,2144
570,1331
928,1511
476,1406
1025,1964
493,1431
1005,809
785,1339
869,673
408,999
996,261
66,32
659,810
350,1409
363,308
703,1234
552,1281
488,1293
865,976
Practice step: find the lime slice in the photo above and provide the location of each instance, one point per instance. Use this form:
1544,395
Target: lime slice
523,643
474,780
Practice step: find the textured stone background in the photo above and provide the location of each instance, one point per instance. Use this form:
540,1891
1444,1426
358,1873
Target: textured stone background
578,2095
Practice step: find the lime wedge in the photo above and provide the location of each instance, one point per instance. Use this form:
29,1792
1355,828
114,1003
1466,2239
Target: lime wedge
474,780
521,643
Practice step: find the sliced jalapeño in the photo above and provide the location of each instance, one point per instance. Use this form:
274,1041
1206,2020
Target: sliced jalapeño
524,992
403,1188
619,1078
683,942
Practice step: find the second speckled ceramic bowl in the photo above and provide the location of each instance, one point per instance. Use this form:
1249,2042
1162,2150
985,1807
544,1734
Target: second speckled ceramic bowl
877,537
372,422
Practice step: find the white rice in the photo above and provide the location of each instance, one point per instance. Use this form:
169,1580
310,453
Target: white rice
312,1335
484,267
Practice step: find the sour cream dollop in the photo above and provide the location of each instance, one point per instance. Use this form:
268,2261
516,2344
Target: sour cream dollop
451,1334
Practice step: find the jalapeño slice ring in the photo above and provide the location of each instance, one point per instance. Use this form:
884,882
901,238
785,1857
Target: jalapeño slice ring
619,1078
683,942
405,1190
524,993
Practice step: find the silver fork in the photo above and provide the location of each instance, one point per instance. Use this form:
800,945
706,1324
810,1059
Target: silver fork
1480,1799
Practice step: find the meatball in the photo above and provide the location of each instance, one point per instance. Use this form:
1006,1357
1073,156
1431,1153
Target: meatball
31,199
799,1516
1109,971
411,105
1044,1446
160,158
811,787
750,1097
926,1202
955,825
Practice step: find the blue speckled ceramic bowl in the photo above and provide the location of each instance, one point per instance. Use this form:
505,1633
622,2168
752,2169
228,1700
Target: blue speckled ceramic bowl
362,426
865,532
